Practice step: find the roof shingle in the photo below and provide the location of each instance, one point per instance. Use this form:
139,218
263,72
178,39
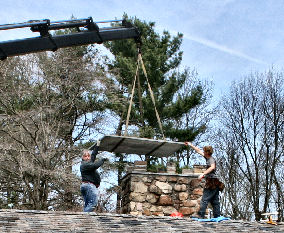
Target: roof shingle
59,221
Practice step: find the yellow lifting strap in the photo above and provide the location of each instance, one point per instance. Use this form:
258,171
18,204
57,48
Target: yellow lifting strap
140,61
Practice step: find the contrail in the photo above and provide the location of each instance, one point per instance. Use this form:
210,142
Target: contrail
222,48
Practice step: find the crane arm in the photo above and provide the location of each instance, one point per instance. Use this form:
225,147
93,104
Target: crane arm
47,42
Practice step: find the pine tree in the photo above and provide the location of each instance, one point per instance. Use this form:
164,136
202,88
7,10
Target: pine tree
162,58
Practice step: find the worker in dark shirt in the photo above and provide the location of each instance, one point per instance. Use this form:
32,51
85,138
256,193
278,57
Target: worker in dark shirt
90,177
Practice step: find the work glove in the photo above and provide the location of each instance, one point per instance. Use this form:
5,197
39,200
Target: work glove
98,142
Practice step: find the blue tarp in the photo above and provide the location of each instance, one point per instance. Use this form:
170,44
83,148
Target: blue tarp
219,219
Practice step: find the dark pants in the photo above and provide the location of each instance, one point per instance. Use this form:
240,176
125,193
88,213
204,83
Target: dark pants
210,196
89,193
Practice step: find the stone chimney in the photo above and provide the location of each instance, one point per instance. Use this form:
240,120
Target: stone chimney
160,194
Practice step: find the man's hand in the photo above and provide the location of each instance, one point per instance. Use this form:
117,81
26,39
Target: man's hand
98,142
201,177
187,143
96,145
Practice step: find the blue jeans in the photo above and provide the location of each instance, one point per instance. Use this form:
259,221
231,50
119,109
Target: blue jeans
90,195
212,196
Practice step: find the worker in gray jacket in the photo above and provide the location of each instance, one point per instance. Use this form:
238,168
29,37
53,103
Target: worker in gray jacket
212,183
90,177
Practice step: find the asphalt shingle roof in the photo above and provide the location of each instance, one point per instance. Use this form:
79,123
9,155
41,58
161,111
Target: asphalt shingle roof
59,221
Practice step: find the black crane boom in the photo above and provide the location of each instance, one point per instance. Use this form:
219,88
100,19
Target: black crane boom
90,34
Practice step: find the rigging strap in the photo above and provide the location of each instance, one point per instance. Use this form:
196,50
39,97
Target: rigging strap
131,99
140,60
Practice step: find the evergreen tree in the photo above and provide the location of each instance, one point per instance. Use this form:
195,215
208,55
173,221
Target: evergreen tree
162,58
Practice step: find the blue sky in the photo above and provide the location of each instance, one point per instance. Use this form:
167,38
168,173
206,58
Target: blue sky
224,40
